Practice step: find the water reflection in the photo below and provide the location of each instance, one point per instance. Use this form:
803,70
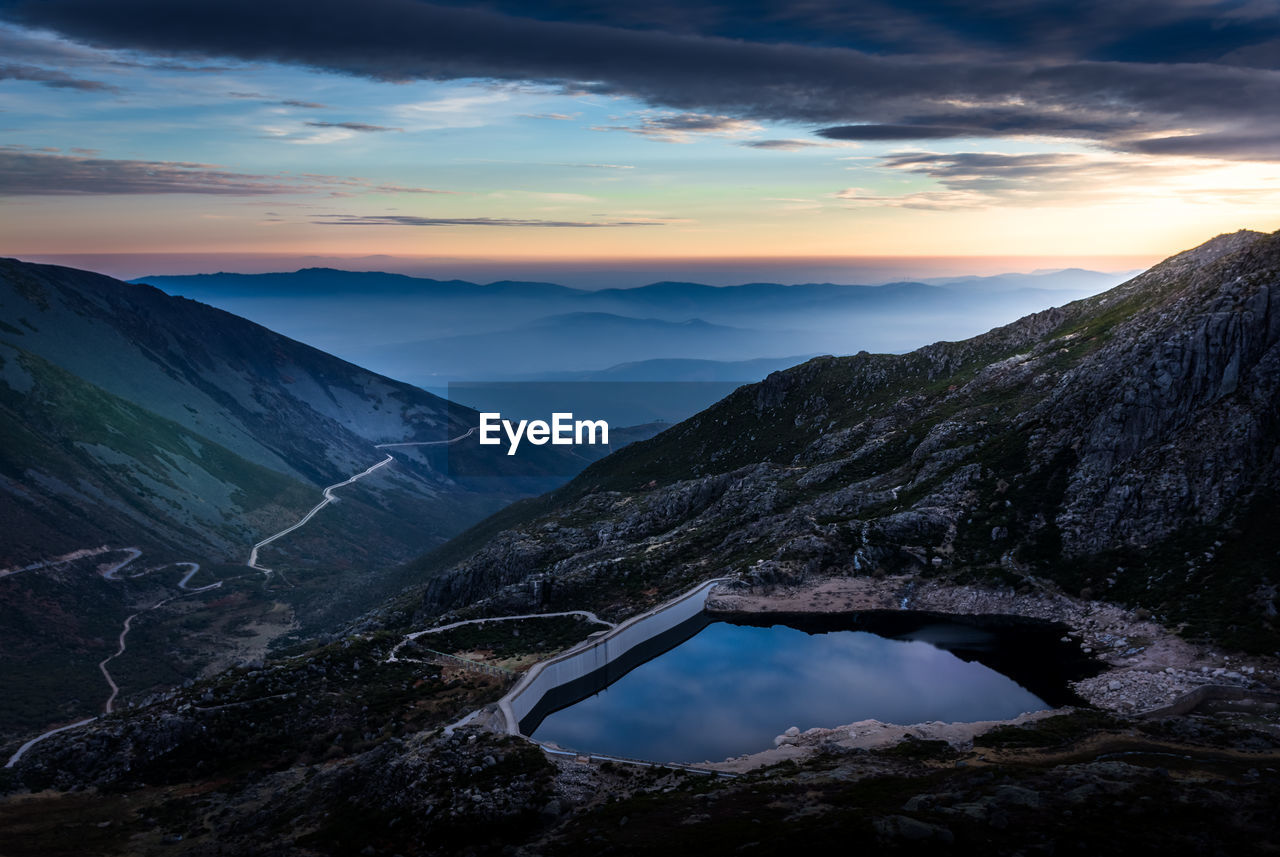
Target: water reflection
731,688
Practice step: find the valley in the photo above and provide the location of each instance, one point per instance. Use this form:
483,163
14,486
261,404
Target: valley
113,572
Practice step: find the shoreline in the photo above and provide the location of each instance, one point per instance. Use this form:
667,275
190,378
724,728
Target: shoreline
1148,667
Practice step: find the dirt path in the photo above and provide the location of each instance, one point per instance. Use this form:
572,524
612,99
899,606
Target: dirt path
408,638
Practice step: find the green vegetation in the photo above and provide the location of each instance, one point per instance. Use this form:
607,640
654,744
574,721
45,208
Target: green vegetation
51,425
1058,731
504,640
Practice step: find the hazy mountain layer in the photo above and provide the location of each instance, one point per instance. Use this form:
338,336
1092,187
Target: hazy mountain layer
435,331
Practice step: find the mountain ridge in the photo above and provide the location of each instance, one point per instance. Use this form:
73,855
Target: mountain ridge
1121,423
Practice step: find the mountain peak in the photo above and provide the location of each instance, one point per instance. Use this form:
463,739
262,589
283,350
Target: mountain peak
1218,246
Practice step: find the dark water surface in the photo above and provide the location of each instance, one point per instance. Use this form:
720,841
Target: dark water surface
730,688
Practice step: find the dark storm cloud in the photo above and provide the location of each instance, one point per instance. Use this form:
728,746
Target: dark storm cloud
1139,30
409,220
51,78
1095,70
353,126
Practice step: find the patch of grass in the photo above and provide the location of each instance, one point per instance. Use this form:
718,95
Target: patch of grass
921,750
1058,731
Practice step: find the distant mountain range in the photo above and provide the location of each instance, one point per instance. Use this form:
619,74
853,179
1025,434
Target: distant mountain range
675,369
431,332
1065,279
550,344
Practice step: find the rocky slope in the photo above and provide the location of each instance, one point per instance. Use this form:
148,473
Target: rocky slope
1124,446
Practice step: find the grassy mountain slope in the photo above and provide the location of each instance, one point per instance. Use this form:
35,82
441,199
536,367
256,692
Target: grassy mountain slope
131,419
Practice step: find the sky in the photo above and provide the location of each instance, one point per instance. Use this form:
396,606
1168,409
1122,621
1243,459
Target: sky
836,136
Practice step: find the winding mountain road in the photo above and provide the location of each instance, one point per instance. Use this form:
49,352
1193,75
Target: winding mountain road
113,573
329,498
65,559
410,637
13,760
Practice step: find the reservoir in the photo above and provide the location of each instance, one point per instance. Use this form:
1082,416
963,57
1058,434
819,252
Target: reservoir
713,687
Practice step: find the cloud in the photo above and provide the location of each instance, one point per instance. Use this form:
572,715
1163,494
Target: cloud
870,132
25,171
1000,171
678,127
353,126
1090,70
780,145
28,173
1228,146
51,78
330,132
286,102
570,164
986,179
364,185
551,196
21,45
410,220
175,66
471,106
560,117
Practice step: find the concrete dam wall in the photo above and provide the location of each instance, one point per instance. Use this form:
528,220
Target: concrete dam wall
596,662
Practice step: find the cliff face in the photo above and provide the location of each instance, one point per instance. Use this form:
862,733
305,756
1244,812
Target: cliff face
1175,419
1125,444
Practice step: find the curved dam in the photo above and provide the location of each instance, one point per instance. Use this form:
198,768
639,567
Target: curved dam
600,660
679,684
